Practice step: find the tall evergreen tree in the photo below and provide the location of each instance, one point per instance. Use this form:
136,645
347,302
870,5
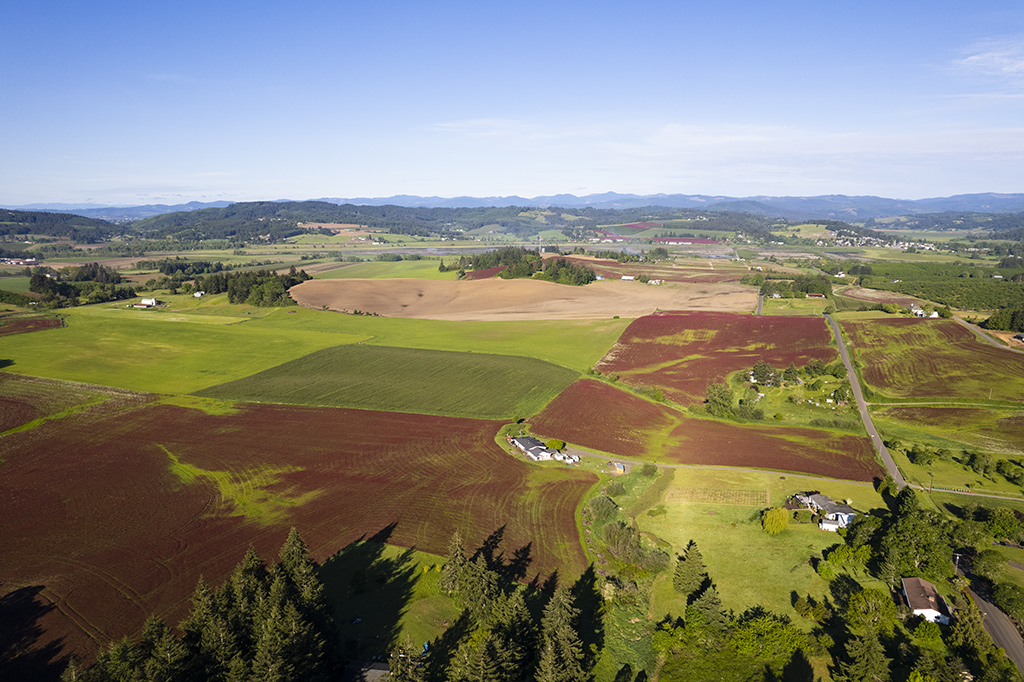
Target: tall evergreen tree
866,661
561,652
690,572
455,565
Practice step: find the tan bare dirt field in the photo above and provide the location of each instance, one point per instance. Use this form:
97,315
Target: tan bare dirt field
517,299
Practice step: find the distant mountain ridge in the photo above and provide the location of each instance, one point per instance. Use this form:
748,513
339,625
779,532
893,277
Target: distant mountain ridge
831,206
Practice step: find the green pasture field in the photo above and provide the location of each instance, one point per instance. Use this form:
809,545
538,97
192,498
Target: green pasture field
15,284
748,566
160,351
417,269
194,344
921,363
477,385
979,431
794,306
805,231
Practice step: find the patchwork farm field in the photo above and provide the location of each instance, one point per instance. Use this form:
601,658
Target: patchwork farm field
905,358
22,325
994,430
117,512
596,415
478,385
704,274
194,344
415,269
683,352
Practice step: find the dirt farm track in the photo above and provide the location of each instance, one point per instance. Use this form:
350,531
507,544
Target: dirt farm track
517,299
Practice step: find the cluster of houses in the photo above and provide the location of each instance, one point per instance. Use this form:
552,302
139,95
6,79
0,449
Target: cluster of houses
921,312
537,451
19,261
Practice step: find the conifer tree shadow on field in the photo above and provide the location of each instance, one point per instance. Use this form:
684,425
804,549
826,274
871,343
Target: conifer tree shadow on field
4,363
20,658
589,623
369,593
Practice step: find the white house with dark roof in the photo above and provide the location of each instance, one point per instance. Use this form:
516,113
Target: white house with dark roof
535,450
924,600
834,515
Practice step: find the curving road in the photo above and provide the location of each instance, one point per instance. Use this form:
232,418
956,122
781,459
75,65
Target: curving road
858,395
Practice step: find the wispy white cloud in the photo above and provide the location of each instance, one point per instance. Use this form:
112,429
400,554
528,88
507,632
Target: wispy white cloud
999,60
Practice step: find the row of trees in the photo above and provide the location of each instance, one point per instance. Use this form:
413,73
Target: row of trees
270,624
254,287
507,632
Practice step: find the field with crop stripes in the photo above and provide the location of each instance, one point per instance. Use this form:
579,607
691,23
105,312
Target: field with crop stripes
912,358
1000,431
477,385
682,352
592,414
117,513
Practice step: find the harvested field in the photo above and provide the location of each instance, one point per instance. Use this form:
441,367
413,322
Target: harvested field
118,514
924,358
517,299
879,296
592,414
613,269
681,353
22,325
15,413
478,385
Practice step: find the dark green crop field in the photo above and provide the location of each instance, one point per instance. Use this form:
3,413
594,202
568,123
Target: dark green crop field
406,380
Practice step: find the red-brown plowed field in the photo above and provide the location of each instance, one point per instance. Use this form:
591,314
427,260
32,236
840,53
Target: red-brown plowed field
683,352
595,415
912,358
21,325
486,273
15,413
92,511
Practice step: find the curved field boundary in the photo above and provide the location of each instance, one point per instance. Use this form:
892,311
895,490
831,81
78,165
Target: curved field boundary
683,352
592,414
476,385
23,325
910,358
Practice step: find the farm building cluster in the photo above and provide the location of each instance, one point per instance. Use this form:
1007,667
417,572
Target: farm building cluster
537,451
833,515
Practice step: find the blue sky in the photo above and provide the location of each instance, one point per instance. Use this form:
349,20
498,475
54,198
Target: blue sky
130,103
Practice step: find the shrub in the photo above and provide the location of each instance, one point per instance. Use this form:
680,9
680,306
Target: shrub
775,520
648,469
615,488
603,507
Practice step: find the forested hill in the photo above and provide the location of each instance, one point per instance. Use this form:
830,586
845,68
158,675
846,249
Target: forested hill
75,227
1001,225
281,219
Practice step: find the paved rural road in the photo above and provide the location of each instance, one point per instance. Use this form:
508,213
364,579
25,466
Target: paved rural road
883,452
1004,632
985,337
760,303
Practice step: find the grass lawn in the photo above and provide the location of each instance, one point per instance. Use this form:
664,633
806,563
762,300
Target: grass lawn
747,566
414,269
477,385
15,284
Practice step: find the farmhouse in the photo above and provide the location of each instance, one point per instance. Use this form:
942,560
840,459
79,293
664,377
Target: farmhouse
815,295
924,600
147,303
535,450
834,515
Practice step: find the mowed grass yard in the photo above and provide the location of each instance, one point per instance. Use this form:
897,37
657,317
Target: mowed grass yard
747,566
390,379
194,344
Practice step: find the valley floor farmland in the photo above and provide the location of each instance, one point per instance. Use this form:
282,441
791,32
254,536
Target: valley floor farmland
932,359
592,414
116,512
478,385
517,299
683,352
